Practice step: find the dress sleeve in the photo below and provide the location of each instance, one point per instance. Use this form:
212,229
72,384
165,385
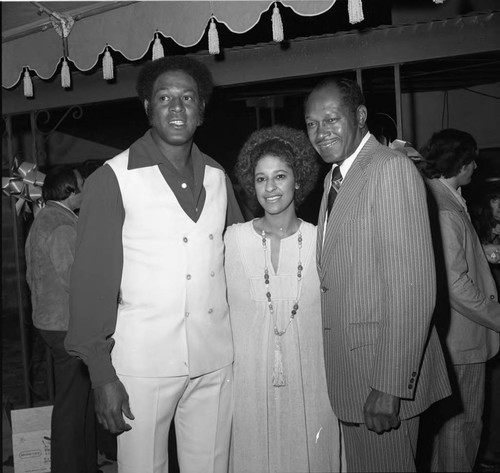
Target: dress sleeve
234,214
96,275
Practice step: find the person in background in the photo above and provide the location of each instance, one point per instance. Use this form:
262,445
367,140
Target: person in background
384,362
149,314
487,224
283,421
50,250
469,328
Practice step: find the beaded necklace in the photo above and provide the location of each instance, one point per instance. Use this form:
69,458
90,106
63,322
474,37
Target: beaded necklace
279,378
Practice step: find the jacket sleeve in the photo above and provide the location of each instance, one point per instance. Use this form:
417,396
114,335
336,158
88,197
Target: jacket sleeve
465,296
234,214
403,245
96,275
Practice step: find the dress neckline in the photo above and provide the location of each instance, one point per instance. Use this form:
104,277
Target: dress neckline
259,234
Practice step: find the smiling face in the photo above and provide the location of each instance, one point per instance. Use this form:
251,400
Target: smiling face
274,185
334,131
175,108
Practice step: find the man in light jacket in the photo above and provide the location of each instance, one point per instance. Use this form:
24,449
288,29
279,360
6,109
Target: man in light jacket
469,320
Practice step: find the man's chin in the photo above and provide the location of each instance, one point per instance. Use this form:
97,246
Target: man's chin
331,158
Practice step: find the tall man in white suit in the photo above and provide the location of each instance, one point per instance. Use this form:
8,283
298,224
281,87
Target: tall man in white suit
384,363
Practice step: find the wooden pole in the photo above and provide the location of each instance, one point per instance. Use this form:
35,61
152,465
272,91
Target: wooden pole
359,78
48,355
22,319
399,109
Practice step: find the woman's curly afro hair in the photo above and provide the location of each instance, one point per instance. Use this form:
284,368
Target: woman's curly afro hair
288,144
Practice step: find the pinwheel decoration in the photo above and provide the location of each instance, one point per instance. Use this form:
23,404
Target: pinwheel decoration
25,185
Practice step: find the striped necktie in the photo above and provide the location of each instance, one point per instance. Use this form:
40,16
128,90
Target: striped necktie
334,188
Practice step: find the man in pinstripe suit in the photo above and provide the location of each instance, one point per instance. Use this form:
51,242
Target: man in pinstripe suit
384,363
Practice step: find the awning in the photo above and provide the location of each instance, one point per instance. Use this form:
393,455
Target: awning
128,28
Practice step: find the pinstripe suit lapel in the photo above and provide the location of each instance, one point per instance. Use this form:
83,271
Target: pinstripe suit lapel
349,190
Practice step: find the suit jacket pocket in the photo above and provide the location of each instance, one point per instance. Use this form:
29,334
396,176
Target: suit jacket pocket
362,334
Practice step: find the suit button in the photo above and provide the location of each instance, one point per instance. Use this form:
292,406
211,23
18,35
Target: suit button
492,297
185,240
323,289
414,374
410,386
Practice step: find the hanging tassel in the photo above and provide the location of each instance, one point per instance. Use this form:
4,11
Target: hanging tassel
213,38
355,8
157,48
279,378
107,65
65,75
277,24
28,84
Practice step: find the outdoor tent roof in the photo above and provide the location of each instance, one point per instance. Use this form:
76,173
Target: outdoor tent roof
127,27
465,47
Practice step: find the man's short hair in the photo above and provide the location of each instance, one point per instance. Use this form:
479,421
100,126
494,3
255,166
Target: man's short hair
349,89
153,69
447,152
59,183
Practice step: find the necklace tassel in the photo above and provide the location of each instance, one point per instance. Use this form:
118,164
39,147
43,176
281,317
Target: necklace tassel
279,378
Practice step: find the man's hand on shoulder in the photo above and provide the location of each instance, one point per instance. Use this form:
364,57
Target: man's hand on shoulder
111,402
381,412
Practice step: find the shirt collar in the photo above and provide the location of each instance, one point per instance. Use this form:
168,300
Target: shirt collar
457,193
56,202
347,163
145,153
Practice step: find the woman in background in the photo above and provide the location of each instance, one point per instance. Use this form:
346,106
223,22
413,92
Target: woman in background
488,228
283,421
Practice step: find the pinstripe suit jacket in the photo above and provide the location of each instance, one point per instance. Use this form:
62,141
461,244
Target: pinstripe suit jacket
376,267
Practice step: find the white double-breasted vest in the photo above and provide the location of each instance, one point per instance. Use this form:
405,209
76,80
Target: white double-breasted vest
173,317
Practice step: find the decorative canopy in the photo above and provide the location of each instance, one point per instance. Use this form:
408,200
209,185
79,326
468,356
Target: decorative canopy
81,36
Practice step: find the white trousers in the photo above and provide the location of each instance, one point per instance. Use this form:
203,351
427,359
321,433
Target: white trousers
202,411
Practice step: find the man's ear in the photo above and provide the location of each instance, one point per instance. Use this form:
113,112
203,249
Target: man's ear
361,115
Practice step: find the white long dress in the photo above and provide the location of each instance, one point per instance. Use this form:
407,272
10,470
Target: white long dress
290,428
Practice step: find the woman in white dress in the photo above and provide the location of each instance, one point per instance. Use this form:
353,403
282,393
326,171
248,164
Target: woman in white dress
283,421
